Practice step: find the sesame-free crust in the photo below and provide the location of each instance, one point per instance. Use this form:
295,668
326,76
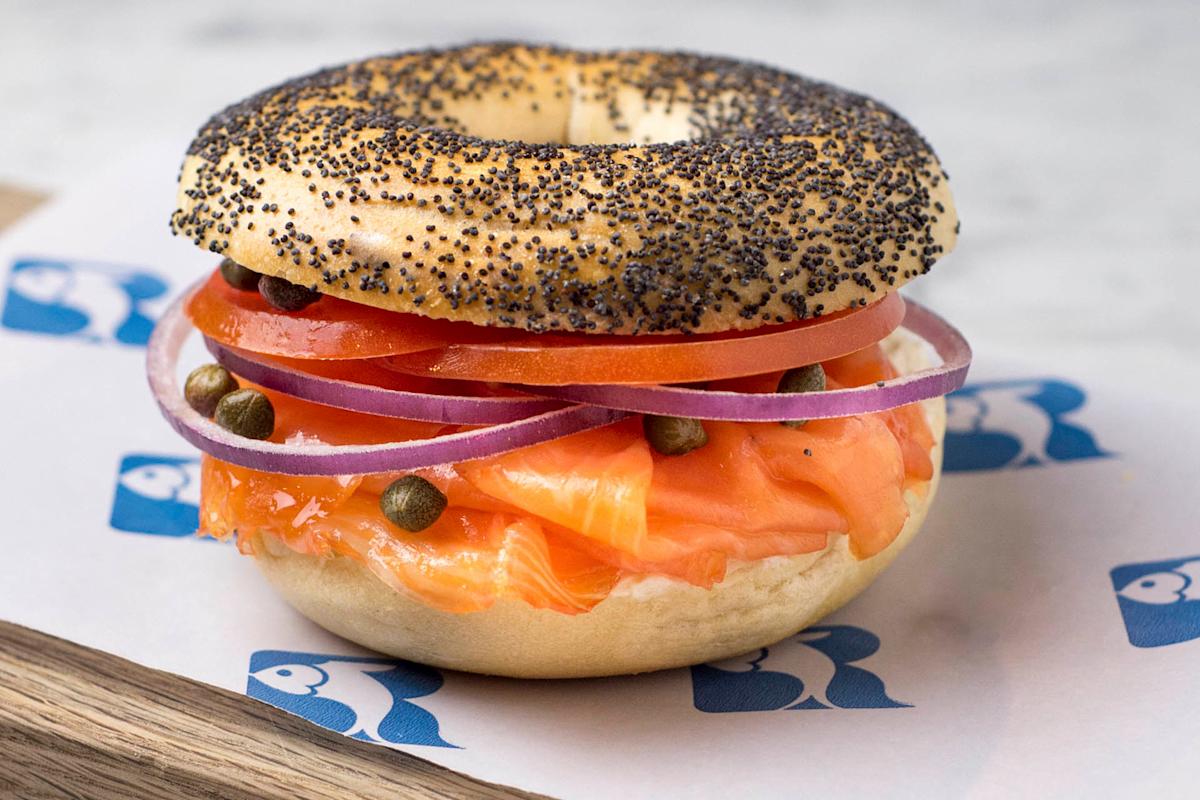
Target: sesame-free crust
549,189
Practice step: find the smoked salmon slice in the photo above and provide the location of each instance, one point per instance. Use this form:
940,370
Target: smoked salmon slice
469,559
857,461
907,423
558,524
464,562
593,483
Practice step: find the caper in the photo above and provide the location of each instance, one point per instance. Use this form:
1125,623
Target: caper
674,436
238,276
799,381
412,503
206,385
285,295
246,412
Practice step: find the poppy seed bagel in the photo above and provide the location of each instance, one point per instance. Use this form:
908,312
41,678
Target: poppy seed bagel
550,189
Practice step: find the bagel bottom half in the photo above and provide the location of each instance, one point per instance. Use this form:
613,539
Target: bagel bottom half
647,624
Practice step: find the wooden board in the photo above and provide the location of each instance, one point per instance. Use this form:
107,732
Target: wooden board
16,203
79,723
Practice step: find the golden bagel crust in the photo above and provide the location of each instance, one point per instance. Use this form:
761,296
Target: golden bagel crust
658,624
548,189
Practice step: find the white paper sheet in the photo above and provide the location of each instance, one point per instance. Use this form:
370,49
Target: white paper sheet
1040,637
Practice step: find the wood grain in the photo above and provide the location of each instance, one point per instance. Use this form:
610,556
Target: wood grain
16,203
79,723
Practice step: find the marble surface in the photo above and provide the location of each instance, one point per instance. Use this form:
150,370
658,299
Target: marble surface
1069,129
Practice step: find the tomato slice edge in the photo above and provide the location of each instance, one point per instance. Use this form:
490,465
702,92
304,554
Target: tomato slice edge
657,361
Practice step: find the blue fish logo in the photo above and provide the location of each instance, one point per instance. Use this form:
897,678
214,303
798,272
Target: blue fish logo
364,698
1013,424
1159,601
93,301
158,495
814,669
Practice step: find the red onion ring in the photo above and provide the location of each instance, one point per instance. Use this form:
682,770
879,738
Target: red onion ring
457,409
769,407
162,356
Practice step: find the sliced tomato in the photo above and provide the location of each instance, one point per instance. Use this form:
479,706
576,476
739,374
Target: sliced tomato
336,329
373,372
330,328
559,360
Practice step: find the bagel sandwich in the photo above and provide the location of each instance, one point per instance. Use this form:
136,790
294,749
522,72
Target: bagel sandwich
546,363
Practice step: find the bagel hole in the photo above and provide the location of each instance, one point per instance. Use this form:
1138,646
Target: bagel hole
571,115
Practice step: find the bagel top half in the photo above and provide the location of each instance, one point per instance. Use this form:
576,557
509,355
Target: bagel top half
554,190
